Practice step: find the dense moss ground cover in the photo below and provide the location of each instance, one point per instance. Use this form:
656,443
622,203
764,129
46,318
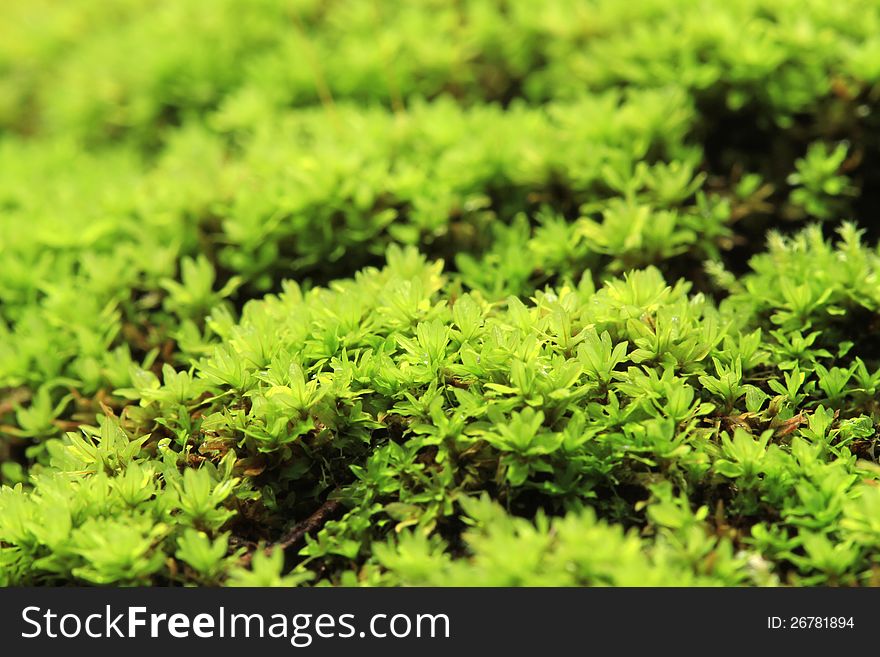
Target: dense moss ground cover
474,292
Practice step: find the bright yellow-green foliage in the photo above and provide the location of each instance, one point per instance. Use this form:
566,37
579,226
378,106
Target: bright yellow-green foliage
439,292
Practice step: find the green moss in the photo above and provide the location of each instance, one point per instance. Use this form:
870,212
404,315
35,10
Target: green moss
482,293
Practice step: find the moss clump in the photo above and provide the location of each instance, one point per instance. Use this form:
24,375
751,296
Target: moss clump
494,293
